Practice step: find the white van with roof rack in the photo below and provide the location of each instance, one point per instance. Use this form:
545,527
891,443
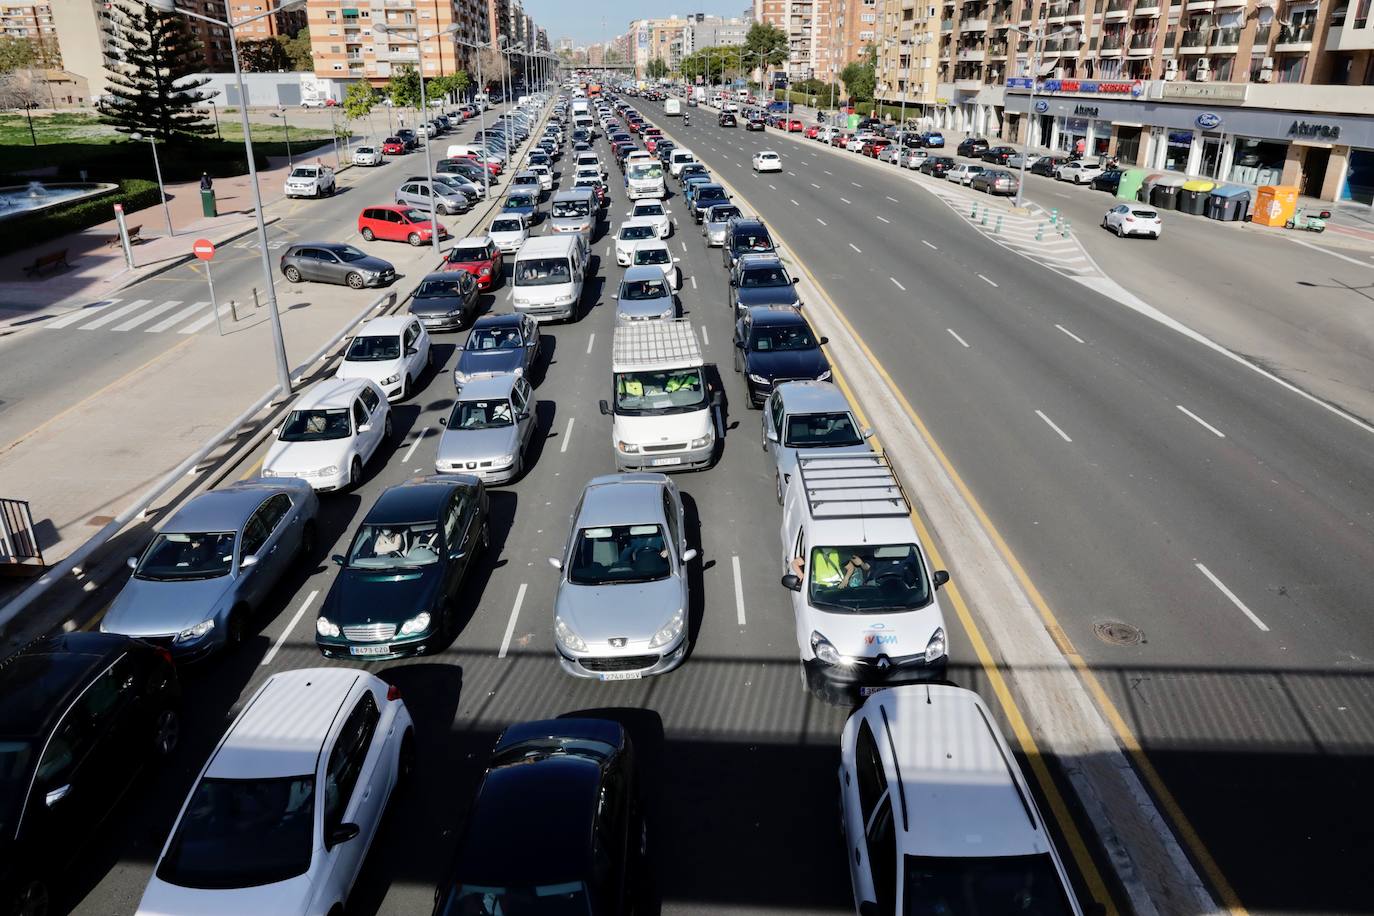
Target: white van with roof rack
864,598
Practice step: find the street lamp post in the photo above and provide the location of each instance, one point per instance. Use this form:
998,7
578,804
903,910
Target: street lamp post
281,113
157,169
214,110
481,118
29,106
1037,38
230,25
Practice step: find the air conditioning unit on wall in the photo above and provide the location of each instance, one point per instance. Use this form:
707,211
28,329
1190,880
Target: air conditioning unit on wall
1170,70
1266,73
1203,71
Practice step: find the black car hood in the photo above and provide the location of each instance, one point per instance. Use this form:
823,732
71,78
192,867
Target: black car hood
382,596
436,305
775,364
766,295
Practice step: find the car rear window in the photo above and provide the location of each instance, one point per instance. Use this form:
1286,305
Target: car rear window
1145,214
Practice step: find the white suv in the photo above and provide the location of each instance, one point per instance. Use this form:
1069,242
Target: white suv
310,181
282,816
935,810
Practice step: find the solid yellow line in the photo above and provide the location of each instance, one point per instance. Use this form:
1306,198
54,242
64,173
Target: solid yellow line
251,472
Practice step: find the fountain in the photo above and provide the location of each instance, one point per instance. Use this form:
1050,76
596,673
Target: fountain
36,196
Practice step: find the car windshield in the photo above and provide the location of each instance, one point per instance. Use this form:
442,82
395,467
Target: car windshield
619,554
506,225
439,288
992,884
707,194
494,339
753,243
653,209
571,209
174,555
374,349
641,290
763,278
820,430
628,233
652,256
243,833
542,271
394,546
316,425
768,338
490,413
868,578
570,899
349,253
648,170
721,214
304,171
465,255
416,216
674,391
365,150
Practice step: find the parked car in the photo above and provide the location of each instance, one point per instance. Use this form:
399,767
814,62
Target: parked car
893,808
933,139
214,563
391,350
963,173
622,603
334,262
644,295
1079,171
84,715
367,156
1133,219
911,158
1015,160
447,199
766,161
998,155
498,344
446,300
331,432
760,279
398,224
1047,165
310,181
795,126
572,786
1108,181
972,147
995,181
745,235
809,418
774,343
401,578
489,430
394,146
479,256
755,122
281,820
873,146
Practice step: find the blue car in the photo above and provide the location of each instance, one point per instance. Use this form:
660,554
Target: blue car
691,183
522,203
933,140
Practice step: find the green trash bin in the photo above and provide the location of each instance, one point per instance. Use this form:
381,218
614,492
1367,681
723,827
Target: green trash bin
207,203
1131,180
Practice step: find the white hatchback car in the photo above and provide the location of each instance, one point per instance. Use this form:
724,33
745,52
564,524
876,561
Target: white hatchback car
509,233
332,431
1133,219
937,817
767,161
963,173
655,253
392,351
367,155
654,210
1079,171
545,175
283,814
631,232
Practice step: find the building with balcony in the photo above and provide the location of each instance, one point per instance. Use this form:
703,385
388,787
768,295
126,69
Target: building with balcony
346,47
906,39
32,22
287,22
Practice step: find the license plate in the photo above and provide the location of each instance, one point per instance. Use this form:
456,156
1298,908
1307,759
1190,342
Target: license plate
660,462
621,676
369,650
869,691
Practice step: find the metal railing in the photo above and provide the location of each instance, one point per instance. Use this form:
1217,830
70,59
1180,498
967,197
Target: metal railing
1140,40
1226,37
1295,34
18,540
1194,38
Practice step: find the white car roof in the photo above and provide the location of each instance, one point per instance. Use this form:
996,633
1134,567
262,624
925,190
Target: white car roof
766,152
649,221
331,393
386,324
474,241
284,726
644,244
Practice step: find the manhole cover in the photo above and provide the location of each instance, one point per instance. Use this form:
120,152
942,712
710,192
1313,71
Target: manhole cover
1116,633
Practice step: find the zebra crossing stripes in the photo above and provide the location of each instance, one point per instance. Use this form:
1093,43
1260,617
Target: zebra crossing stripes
117,316
80,314
147,315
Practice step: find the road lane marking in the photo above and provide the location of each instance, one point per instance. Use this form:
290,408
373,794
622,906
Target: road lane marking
1230,594
567,436
591,340
146,315
199,323
1327,251
986,280
816,186
410,451
684,247
739,591
291,625
928,245
958,338
1203,423
117,314
821,221
795,204
772,188
856,184
694,281
705,337
608,249
1061,194
844,200
896,284
176,319
81,314
856,248
510,625
1063,435
877,217
827,171
893,199
1070,333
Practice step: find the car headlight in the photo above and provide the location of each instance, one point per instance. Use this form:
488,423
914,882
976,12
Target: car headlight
417,624
391,379
824,376
326,627
628,448
267,472
460,378
668,313
671,631
563,300
501,463
327,471
567,637
757,379
936,647
824,651
197,631
702,442
486,271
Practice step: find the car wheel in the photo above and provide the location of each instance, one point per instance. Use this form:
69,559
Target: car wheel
413,238
355,473
1119,232
292,274
369,235
32,900
354,280
166,732
307,547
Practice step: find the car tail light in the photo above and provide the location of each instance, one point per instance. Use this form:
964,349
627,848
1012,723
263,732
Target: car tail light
393,692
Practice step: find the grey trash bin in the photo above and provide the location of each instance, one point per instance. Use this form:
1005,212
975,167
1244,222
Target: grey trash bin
1229,203
1164,195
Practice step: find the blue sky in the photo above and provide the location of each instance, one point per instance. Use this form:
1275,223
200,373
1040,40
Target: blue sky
581,19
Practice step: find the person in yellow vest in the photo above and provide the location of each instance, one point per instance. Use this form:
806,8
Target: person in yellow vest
631,387
679,381
827,570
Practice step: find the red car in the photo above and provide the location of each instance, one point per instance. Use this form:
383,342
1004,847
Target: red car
397,224
479,256
635,126
795,126
872,148
493,167
393,146
651,143
812,131
840,140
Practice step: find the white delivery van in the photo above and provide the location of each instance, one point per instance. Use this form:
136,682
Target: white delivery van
677,159
644,178
548,276
672,107
663,413
864,598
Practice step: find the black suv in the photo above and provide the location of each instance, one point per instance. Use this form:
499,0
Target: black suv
972,146
760,279
82,714
705,197
775,344
745,235
937,166
726,119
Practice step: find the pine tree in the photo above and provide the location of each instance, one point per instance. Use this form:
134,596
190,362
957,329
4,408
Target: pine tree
153,88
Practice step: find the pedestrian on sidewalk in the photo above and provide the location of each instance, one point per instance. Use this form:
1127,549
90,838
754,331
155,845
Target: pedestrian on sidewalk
206,184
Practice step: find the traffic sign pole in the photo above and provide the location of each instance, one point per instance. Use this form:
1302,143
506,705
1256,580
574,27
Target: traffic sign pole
204,249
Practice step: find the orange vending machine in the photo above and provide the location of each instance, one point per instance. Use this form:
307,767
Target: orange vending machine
1275,205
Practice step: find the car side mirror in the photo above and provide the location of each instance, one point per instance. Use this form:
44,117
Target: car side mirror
411,351
867,432
791,582
248,561
689,555
342,834
338,558
605,409
824,341
555,562
365,428
523,416
443,421
940,577
56,795
772,435
132,562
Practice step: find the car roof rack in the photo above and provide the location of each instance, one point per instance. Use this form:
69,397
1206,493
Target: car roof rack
653,343
852,486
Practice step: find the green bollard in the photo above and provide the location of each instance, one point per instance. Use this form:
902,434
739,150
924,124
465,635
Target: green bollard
1040,232
974,211
1054,217
984,221
997,230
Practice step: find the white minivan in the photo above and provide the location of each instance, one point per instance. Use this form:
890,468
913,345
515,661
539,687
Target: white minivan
677,159
548,276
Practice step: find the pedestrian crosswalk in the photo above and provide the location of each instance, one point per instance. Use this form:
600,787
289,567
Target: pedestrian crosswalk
144,315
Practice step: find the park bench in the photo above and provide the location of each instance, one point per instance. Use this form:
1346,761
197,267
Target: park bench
45,262
134,237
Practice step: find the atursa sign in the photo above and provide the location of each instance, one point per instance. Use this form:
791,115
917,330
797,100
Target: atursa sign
1311,131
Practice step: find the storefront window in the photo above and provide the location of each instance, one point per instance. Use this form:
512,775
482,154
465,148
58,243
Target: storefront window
1127,144
1258,162
1359,181
1073,134
1211,156
1176,150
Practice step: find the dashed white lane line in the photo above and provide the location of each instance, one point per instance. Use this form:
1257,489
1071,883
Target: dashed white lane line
1232,596
591,340
1063,435
986,280
893,199
928,245
816,186
291,625
1201,422
882,219
856,184
510,625
684,247
739,591
856,248
896,284
845,200
1070,333
414,445
705,337
1062,194
966,346
794,203
772,188
608,249
827,171
694,282
567,436
821,221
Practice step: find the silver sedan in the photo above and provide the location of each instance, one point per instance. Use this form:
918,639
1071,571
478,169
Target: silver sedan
489,430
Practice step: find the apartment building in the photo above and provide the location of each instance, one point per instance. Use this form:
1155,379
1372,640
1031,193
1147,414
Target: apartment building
32,22
345,45
287,22
657,39
907,64
823,36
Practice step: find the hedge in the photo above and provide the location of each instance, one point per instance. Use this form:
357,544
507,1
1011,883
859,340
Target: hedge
27,231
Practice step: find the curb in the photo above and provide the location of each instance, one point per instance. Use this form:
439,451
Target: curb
177,262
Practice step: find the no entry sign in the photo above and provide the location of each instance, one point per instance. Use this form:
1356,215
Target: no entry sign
204,249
